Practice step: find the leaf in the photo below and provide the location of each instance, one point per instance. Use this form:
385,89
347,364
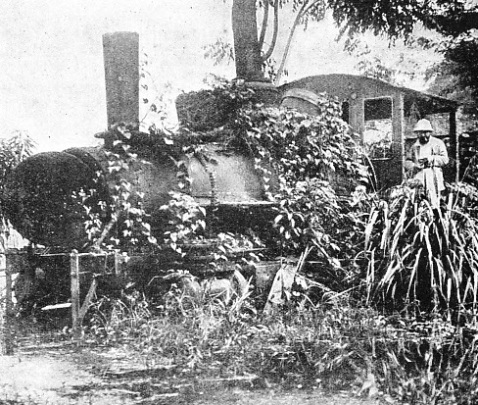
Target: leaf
369,228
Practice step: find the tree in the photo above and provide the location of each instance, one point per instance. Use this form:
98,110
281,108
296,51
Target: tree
456,77
392,18
246,42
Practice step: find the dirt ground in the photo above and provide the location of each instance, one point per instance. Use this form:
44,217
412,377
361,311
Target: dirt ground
65,374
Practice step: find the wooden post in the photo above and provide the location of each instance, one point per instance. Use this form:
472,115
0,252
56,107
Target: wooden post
88,298
117,258
398,138
75,294
7,336
454,152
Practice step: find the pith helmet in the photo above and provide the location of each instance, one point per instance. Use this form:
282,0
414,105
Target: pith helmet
423,125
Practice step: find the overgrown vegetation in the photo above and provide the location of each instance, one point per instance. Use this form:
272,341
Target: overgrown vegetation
333,345
385,301
308,167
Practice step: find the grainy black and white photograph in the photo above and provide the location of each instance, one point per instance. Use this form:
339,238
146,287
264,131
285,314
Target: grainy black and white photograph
252,202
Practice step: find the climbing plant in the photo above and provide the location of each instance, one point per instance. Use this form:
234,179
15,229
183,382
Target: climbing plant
13,150
308,167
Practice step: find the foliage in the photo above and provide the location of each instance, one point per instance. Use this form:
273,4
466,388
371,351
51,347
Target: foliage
459,53
196,334
187,221
376,69
297,146
470,173
119,220
206,110
424,256
308,165
398,18
333,345
127,199
13,150
219,52
392,19
455,77
185,330
457,22
426,361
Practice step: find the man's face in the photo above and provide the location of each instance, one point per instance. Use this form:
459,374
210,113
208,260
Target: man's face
423,136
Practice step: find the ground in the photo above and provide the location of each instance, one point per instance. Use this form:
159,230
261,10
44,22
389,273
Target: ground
63,373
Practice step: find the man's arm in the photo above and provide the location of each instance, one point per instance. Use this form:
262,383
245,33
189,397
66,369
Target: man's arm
440,154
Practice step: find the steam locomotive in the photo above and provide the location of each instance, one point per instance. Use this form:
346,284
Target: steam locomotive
41,194
38,198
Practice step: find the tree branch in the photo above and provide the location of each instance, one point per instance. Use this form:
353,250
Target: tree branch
264,23
268,54
106,231
303,11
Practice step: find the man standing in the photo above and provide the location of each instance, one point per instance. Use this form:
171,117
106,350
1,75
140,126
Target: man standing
429,156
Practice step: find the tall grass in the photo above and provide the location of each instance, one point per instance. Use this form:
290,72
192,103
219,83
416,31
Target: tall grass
331,345
421,256
201,336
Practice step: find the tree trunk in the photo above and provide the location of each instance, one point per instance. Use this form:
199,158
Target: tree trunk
246,44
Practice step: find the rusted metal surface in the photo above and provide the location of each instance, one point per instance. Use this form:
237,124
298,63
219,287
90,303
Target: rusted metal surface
235,179
121,50
302,100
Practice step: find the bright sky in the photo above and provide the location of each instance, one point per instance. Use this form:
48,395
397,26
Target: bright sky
51,61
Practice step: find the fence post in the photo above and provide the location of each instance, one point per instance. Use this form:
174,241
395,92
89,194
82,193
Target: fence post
75,294
117,259
6,334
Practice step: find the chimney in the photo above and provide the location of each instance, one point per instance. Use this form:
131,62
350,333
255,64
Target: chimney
121,55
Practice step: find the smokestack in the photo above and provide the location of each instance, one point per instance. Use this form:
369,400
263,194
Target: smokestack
121,55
